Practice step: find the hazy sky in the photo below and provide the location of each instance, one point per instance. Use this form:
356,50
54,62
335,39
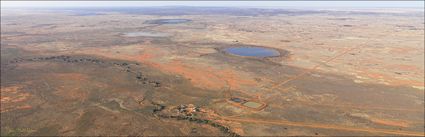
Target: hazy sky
365,4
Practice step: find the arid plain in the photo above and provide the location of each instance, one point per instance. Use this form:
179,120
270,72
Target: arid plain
168,71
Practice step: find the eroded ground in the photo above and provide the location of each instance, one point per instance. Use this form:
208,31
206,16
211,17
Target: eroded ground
124,72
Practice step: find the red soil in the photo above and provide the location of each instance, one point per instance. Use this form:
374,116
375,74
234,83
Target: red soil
200,75
69,76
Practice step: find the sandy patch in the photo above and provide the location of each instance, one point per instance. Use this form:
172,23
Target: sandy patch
390,123
11,97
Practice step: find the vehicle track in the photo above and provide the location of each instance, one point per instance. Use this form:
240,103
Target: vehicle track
315,125
310,70
369,107
324,126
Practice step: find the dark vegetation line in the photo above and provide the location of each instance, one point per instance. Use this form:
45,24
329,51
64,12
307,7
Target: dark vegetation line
139,76
68,59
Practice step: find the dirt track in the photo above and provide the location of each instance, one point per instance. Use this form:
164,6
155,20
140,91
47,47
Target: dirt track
324,126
